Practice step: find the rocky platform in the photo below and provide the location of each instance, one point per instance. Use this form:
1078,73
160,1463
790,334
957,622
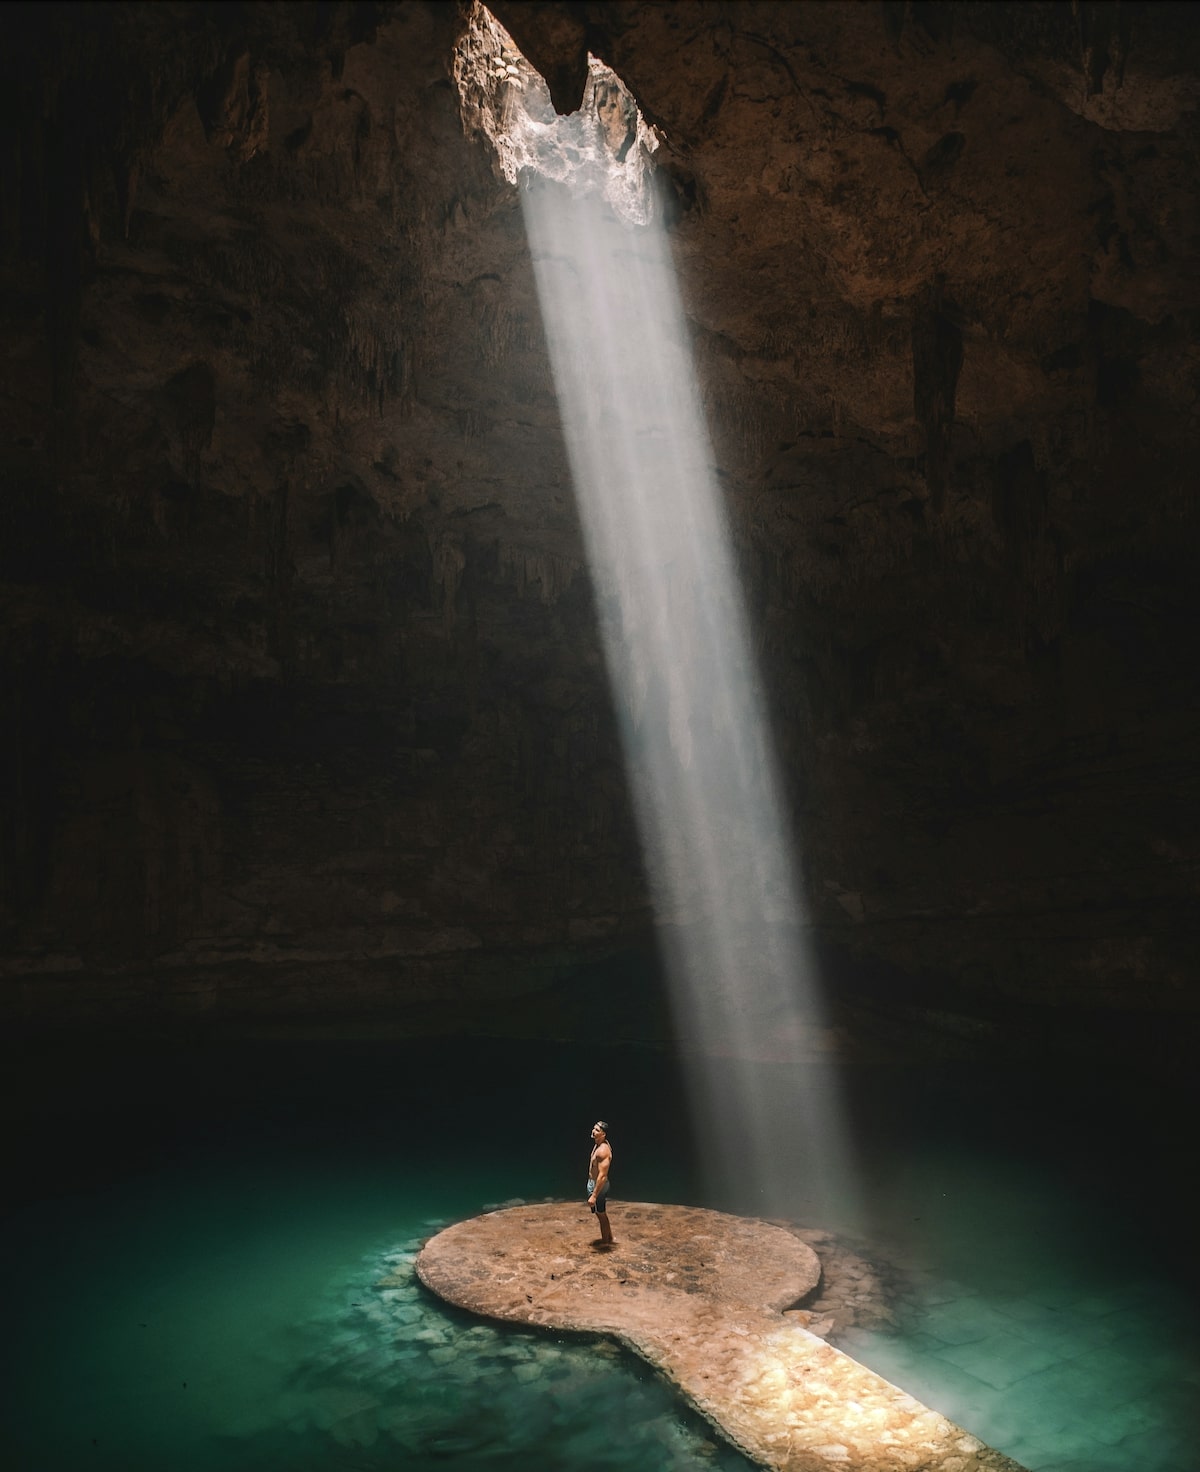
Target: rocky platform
703,1296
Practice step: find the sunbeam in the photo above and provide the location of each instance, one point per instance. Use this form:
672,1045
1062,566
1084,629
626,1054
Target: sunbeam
715,838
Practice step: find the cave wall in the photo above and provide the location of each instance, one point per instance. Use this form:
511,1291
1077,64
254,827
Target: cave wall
306,706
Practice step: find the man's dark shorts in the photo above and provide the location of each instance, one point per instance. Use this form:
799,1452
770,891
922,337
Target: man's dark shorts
601,1200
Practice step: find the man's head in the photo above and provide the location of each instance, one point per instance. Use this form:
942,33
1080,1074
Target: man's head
600,1131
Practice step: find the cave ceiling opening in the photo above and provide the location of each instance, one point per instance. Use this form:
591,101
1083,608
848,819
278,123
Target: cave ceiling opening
605,145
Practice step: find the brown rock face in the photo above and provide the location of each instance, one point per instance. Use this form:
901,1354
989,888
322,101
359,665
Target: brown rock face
305,705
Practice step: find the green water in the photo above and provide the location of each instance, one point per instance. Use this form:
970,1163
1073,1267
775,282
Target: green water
200,1236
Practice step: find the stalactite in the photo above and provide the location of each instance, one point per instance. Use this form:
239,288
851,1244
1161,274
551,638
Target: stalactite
937,354
1021,513
449,565
376,355
191,403
547,574
234,106
503,331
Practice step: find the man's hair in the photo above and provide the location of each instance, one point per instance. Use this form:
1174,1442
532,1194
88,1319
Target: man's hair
602,1124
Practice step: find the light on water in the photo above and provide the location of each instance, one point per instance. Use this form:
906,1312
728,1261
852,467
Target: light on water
210,1270
717,845
225,1281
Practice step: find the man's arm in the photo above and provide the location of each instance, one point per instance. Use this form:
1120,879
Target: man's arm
603,1156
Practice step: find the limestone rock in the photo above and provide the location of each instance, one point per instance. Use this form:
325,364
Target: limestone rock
305,710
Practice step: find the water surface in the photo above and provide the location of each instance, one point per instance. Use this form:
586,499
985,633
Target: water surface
201,1232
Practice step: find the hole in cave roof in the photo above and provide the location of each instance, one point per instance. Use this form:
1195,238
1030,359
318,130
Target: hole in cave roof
606,147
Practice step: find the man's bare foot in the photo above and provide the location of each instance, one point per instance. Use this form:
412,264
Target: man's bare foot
600,1244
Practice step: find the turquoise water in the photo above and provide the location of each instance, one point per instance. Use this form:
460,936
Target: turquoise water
200,1236
1051,1328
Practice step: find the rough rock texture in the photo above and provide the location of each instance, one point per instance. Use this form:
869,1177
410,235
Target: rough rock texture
305,708
698,1294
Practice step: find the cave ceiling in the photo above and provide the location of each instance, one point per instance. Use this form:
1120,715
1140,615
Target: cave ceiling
306,701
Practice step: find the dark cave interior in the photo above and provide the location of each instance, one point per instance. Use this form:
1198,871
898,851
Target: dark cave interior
307,720
314,820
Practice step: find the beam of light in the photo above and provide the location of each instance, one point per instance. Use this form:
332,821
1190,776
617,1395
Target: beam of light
677,644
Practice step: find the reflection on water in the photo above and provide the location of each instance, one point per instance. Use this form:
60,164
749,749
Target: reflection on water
202,1238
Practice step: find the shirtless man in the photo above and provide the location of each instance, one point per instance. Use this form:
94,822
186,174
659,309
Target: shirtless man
598,1168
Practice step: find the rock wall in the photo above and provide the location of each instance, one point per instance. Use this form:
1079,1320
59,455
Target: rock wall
306,706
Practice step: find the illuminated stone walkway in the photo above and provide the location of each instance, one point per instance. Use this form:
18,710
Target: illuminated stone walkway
700,1296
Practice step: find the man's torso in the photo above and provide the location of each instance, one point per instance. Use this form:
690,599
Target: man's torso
600,1154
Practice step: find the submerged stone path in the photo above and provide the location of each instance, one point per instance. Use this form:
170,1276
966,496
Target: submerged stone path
700,1295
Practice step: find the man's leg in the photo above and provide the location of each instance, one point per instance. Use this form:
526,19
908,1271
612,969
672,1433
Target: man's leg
606,1235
